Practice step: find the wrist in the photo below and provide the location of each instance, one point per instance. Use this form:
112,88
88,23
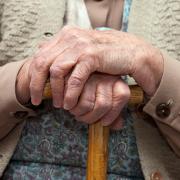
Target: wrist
150,63
22,85
156,64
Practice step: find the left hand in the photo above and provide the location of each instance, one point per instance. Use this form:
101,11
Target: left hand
102,98
83,52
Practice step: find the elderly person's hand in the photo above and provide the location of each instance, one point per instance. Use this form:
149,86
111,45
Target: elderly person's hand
102,98
82,52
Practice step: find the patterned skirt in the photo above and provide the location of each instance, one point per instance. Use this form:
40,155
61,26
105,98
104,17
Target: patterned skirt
53,146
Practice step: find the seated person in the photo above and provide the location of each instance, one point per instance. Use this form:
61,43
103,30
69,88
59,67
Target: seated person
53,136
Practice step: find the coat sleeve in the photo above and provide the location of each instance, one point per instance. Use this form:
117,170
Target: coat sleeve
164,106
11,111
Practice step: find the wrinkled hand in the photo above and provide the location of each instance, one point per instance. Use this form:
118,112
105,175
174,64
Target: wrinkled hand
83,52
102,98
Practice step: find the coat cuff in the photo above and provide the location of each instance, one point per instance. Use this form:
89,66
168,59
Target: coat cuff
10,107
165,104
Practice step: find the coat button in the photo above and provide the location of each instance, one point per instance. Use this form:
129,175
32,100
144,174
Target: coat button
48,34
163,110
156,176
20,114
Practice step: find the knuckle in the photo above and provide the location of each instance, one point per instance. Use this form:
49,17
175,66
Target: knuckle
41,63
75,81
104,105
122,94
90,51
86,66
126,94
87,105
92,60
55,71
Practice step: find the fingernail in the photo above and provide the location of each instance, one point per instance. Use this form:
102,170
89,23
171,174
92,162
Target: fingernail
35,102
66,106
56,104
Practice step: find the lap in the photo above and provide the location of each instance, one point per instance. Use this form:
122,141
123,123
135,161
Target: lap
55,138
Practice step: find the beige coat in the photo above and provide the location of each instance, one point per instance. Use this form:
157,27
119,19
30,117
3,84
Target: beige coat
26,23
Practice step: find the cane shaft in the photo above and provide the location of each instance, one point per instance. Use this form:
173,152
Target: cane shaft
97,151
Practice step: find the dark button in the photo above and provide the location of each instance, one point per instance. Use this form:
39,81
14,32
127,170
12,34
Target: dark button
156,176
20,114
48,34
1,156
163,110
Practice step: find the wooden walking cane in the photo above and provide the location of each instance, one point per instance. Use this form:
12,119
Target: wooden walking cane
98,139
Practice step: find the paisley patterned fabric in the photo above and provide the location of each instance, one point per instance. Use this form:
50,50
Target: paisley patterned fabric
53,146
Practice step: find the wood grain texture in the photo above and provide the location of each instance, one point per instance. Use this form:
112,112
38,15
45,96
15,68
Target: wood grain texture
97,152
136,94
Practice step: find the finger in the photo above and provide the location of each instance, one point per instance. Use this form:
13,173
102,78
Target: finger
39,72
59,69
118,123
38,76
121,94
103,104
87,99
53,49
77,80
